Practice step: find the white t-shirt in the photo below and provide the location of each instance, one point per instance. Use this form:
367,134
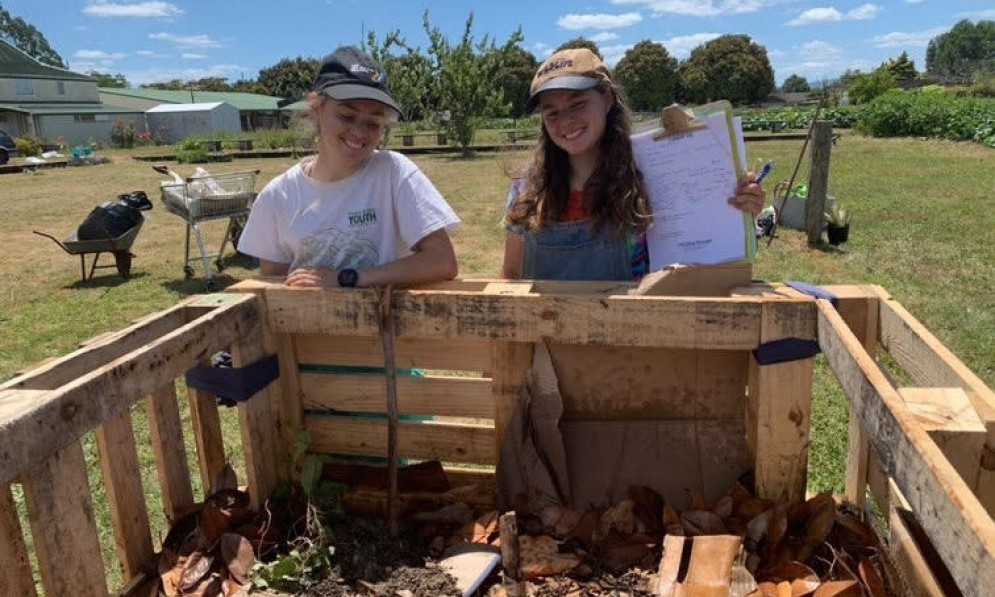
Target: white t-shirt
373,217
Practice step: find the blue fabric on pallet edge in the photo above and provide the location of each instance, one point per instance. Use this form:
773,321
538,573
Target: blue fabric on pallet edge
234,385
785,350
813,290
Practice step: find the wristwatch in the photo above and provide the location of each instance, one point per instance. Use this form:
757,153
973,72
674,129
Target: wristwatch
348,277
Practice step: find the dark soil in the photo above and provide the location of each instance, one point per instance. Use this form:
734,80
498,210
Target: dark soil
629,584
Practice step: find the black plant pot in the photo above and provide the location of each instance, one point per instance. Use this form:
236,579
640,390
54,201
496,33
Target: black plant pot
838,234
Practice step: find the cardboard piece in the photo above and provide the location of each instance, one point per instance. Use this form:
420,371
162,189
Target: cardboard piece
470,564
696,280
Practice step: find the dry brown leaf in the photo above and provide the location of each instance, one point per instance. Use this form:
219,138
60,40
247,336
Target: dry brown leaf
672,521
648,507
765,589
584,531
790,571
619,520
777,527
236,551
872,579
753,507
623,556
702,522
195,568
210,586
724,506
540,557
225,479
839,588
784,589
568,521
850,530
214,522
803,588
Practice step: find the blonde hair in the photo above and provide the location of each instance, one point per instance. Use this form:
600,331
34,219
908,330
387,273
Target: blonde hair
316,100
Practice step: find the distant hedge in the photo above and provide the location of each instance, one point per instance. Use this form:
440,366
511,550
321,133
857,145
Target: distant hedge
938,115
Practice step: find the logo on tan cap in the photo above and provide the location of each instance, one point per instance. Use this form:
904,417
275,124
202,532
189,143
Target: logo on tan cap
576,69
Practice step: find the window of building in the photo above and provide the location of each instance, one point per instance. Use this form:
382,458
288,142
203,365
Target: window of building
84,118
60,87
24,87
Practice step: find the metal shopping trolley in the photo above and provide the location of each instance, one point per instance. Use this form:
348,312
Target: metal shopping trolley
207,197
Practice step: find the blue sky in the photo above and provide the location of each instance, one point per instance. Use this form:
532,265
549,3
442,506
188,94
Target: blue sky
161,40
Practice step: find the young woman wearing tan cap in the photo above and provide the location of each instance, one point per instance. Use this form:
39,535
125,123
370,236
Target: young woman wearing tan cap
580,212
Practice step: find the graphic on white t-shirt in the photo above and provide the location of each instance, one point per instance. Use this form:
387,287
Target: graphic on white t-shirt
336,249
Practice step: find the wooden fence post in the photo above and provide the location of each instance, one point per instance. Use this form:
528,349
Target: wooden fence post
818,180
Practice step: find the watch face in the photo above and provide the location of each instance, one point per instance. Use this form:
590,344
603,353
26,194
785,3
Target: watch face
348,278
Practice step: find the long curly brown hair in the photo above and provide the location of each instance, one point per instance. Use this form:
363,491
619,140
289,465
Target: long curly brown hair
618,197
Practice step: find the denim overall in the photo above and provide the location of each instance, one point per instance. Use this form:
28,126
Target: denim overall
571,251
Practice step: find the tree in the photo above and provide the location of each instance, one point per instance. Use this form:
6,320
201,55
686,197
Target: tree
902,69
648,75
795,84
465,76
108,80
209,84
170,85
23,36
729,67
409,74
967,48
514,79
865,87
290,78
248,86
580,42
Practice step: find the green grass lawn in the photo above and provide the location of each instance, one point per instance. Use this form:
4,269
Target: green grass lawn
921,210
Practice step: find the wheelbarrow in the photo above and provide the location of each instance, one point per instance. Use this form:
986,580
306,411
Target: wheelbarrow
119,246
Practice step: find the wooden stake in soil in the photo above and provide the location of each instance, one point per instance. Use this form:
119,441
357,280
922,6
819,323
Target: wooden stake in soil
385,321
510,555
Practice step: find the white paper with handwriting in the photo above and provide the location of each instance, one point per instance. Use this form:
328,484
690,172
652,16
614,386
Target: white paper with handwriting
689,178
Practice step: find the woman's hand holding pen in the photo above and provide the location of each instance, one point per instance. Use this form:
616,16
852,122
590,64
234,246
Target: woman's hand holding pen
750,196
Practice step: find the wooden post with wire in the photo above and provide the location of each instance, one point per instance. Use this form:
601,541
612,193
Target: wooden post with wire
385,321
818,181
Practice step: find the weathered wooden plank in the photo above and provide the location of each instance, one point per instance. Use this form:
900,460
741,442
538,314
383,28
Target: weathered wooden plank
619,383
206,424
779,408
921,568
423,441
953,518
510,366
932,364
16,576
409,353
169,451
125,495
433,394
260,424
947,416
859,307
99,351
714,323
32,430
62,524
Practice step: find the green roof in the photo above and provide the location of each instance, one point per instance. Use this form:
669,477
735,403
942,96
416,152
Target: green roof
242,101
15,63
35,109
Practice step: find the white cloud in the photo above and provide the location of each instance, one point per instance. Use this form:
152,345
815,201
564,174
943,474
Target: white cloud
192,56
97,55
914,39
541,50
819,49
159,75
680,47
186,41
612,54
598,21
140,10
600,38
829,14
817,15
979,15
701,8
864,12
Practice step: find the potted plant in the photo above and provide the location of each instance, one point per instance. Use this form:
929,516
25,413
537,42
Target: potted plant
837,225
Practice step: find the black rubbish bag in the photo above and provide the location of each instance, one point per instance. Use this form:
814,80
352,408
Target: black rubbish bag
111,220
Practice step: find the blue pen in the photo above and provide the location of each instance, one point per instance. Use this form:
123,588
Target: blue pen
764,171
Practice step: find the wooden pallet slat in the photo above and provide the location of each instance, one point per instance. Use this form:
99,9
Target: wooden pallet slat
445,396
169,451
15,578
409,353
206,424
448,442
125,495
60,510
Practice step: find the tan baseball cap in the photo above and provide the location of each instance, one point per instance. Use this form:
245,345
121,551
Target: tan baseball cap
576,69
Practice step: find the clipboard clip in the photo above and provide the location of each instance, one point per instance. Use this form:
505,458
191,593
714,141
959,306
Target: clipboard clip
677,120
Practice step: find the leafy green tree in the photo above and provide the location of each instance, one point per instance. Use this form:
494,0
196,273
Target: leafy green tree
730,67
465,74
515,78
23,36
580,42
290,78
170,85
967,48
209,84
648,75
248,86
902,68
865,87
409,74
108,80
795,84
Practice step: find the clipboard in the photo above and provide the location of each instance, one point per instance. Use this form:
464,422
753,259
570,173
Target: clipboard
681,174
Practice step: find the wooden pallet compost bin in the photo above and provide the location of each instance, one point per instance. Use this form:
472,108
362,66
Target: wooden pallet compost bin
677,367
